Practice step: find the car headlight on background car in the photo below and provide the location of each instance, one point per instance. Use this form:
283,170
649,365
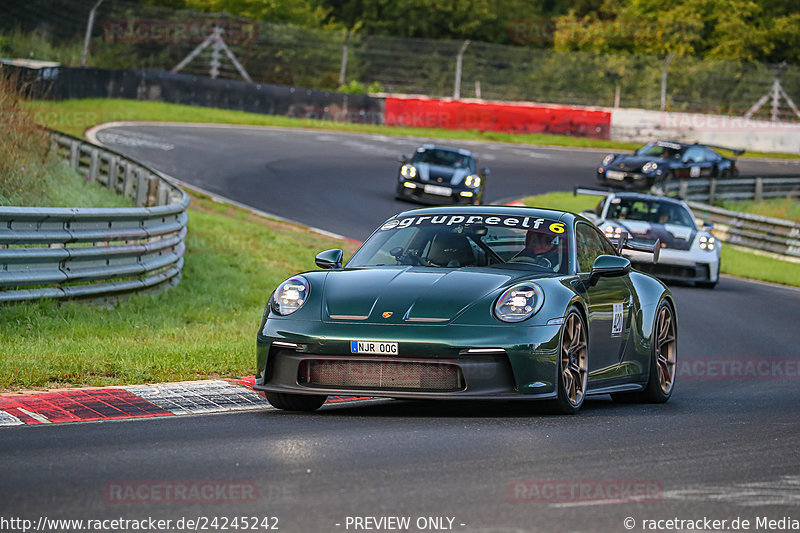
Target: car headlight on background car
707,243
608,159
408,171
649,167
612,232
473,181
290,295
519,302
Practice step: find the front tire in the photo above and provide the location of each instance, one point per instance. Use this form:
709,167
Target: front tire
663,362
573,365
295,402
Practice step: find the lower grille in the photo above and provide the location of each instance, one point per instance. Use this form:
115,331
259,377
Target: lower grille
385,375
674,271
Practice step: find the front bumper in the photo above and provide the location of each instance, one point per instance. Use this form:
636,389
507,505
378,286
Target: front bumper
677,265
513,362
456,197
626,180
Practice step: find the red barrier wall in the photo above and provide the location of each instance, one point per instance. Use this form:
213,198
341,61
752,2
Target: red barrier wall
510,118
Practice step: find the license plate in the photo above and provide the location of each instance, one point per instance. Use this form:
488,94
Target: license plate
615,175
436,189
373,347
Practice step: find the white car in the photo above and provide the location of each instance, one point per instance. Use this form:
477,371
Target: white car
688,253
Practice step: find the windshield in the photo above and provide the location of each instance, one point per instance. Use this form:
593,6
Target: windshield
652,211
658,150
457,241
444,158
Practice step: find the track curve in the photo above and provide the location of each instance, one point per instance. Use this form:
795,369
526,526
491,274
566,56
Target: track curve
723,447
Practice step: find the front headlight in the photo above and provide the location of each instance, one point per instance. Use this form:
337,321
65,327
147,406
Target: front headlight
290,295
649,167
612,232
707,243
519,302
473,181
608,159
408,171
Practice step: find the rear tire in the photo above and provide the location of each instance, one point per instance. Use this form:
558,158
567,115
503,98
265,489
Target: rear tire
295,402
663,362
573,365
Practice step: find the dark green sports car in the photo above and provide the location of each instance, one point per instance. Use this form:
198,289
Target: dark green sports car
482,303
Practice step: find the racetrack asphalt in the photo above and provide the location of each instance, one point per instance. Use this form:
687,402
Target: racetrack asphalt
726,446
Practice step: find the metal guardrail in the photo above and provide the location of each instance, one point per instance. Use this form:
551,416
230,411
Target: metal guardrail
752,231
88,252
743,188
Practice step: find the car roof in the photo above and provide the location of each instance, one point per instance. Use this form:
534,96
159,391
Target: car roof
445,148
494,210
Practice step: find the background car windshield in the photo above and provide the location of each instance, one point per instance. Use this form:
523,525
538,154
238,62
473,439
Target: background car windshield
445,158
465,246
657,150
654,212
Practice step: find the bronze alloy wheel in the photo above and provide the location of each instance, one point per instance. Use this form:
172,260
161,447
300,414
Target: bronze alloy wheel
574,359
666,348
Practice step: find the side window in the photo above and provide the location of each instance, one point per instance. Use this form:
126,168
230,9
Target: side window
608,248
695,154
589,245
711,155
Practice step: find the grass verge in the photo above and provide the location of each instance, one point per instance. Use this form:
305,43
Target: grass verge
735,261
204,327
30,175
75,116
785,208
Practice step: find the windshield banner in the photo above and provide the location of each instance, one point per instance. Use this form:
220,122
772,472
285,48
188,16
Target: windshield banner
482,220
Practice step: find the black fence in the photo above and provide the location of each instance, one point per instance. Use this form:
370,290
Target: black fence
61,83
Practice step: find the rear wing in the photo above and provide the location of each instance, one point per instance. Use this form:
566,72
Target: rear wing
736,151
589,191
624,242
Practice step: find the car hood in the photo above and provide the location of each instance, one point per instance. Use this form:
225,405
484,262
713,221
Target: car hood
672,236
406,295
440,174
633,162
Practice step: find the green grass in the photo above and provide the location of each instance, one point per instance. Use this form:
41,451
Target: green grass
735,261
75,116
785,208
204,327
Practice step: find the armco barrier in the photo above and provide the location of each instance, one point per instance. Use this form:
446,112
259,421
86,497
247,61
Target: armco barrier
87,252
501,117
743,188
752,231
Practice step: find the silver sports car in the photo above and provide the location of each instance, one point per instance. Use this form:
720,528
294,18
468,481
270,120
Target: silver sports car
688,253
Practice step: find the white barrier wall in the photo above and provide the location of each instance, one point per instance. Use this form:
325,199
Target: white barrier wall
736,132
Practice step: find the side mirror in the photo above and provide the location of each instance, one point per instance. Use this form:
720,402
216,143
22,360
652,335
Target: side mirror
329,259
608,266
403,158
708,226
486,171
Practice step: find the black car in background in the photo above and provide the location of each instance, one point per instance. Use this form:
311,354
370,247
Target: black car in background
656,163
441,175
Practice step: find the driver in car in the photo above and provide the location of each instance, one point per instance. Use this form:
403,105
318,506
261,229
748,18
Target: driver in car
541,248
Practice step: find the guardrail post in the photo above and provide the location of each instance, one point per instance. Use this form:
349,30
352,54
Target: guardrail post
93,165
759,189
128,181
74,154
113,172
152,191
141,189
684,190
712,191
